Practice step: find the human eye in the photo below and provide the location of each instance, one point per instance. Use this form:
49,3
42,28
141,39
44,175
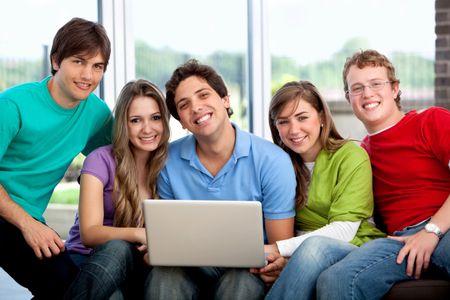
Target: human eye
156,117
357,89
377,84
204,95
281,122
134,120
99,67
182,105
77,61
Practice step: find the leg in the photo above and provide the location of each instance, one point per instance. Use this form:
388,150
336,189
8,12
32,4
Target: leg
441,255
298,279
239,284
105,271
366,273
170,283
46,278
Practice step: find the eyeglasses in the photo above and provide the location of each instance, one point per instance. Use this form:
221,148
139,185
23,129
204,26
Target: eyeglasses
375,86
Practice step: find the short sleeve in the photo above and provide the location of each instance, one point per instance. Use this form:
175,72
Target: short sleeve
100,164
435,130
164,188
278,186
9,124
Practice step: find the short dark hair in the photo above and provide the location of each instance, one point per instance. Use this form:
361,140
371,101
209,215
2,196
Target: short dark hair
193,68
79,36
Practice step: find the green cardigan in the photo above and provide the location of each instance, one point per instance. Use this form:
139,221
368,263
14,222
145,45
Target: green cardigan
340,190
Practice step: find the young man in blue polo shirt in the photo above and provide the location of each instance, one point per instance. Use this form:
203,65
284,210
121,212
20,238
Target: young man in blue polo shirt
217,162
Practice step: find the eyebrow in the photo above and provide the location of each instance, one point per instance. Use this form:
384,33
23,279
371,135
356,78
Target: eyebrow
195,93
294,115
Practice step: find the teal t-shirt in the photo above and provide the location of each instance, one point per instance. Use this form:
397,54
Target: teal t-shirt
39,139
340,190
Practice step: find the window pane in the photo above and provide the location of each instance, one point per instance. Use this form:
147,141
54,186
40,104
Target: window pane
167,33
310,40
28,28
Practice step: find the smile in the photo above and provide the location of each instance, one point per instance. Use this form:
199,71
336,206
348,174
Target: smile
203,119
371,105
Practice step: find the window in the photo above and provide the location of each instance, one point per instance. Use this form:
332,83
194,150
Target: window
310,40
167,33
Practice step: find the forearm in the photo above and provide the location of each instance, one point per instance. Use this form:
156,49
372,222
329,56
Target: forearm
344,231
99,234
12,212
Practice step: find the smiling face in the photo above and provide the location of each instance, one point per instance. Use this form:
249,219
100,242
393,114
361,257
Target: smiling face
145,125
202,111
298,125
76,78
376,109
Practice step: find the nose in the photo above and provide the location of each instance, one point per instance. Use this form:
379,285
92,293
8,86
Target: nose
367,91
86,73
146,126
197,106
293,129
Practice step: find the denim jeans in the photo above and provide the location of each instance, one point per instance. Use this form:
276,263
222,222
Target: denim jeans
115,270
370,271
298,279
203,283
46,278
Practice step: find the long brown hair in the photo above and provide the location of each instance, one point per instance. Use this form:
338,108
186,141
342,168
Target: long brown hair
126,188
330,138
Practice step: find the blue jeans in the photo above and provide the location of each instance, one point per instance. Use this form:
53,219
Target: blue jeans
46,278
114,270
298,279
203,282
370,271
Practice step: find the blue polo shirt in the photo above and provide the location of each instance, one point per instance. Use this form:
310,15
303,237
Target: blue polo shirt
257,170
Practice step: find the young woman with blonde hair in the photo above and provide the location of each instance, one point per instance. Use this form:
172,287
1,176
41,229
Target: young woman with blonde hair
114,181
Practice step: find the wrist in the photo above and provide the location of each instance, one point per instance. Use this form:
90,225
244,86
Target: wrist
433,229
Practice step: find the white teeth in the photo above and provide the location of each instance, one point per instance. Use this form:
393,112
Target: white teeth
298,140
147,139
83,85
202,119
371,105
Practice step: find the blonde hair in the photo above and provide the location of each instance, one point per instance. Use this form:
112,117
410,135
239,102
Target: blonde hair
127,203
330,138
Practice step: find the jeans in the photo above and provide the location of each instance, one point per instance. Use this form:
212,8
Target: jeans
115,270
370,271
203,283
46,278
298,279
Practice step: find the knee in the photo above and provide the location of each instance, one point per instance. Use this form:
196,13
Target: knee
160,275
312,251
240,284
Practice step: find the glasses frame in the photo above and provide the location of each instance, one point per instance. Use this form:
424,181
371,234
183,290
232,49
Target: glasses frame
370,86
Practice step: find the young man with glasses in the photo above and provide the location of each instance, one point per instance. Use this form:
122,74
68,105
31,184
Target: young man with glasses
43,126
410,157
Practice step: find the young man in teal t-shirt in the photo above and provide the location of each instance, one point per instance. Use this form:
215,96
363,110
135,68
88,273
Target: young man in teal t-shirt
43,126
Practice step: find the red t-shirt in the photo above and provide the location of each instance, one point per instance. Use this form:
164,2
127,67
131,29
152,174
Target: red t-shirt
410,165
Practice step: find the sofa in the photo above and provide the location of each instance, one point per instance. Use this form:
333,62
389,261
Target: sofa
434,285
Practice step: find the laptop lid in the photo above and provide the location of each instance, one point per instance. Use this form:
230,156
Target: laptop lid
204,233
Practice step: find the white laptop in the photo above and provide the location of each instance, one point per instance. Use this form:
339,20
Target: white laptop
204,233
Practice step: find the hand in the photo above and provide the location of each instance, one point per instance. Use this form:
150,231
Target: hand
275,264
147,259
418,247
44,241
140,237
